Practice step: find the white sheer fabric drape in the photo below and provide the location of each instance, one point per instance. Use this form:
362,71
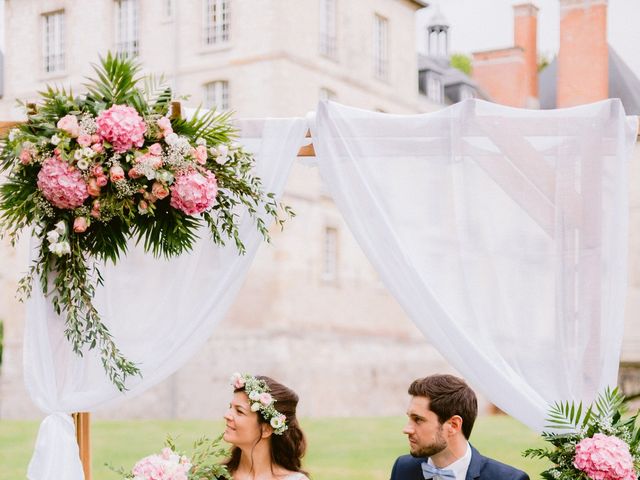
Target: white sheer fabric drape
160,313
502,232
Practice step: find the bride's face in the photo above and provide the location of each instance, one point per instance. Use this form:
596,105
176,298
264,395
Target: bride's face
242,424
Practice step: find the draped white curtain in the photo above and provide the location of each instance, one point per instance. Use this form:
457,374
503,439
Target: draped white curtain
502,232
160,313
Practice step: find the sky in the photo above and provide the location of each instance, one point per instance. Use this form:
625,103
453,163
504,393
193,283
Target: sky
487,24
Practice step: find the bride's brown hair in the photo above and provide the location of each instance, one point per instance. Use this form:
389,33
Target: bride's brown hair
288,448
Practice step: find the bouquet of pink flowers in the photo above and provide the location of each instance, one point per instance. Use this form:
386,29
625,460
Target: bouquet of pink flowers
171,465
90,172
601,444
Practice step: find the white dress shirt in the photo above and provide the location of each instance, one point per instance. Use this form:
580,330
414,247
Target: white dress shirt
460,466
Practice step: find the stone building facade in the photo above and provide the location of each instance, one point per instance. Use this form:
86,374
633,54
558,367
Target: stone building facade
312,312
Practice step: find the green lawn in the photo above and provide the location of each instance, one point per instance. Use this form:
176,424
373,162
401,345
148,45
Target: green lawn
339,449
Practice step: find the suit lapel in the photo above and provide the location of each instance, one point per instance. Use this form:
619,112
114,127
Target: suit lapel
476,465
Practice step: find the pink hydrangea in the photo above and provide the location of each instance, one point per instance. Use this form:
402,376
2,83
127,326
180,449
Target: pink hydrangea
62,184
122,127
194,192
604,457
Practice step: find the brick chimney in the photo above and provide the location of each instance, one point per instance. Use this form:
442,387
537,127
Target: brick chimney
583,59
510,75
525,36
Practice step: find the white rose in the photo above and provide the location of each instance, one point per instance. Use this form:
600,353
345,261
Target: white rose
12,134
61,227
277,422
222,160
223,150
255,407
201,141
53,236
82,164
77,154
253,395
88,152
171,139
55,139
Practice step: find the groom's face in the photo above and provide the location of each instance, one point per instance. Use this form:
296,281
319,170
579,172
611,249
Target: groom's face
424,430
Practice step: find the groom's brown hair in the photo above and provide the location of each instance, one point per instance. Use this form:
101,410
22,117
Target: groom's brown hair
448,396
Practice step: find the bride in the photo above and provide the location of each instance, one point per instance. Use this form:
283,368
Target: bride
261,424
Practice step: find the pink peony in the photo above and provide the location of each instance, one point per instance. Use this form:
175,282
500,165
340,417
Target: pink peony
80,225
69,124
604,457
194,192
122,127
62,184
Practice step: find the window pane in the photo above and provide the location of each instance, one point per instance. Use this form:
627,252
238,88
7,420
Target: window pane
216,95
127,27
380,52
53,42
216,21
328,27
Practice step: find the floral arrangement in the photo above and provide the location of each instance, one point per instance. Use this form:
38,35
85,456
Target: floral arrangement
91,172
602,445
261,400
169,464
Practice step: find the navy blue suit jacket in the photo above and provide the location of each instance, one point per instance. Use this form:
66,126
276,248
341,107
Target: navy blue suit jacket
482,468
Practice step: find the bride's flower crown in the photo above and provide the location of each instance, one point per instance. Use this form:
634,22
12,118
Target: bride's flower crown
261,400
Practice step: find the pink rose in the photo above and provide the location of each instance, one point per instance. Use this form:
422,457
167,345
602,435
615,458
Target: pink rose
101,180
95,138
25,156
84,140
69,124
134,173
155,149
159,190
265,399
143,206
116,173
165,125
97,147
200,154
93,188
80,225
95,209
56,152
96,170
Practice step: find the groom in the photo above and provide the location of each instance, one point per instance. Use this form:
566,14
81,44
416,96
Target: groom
441,415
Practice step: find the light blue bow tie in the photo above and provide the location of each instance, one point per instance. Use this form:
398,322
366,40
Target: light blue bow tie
429,472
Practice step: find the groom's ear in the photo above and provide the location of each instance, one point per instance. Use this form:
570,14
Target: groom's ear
455,424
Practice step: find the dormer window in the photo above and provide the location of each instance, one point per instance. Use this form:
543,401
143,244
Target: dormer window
434,87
